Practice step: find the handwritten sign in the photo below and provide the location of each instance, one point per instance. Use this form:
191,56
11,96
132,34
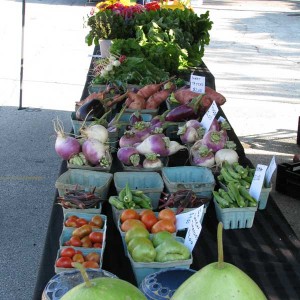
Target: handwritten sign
209,116
183,220
197,84
194,228
257,181
271,168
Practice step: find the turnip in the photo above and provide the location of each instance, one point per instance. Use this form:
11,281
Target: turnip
129,156
141,129
65,146
201,155
228,155
96,153
159,144
215,140
96,132
187,135
152,161
129,138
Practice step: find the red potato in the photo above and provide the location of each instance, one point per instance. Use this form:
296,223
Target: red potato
158,98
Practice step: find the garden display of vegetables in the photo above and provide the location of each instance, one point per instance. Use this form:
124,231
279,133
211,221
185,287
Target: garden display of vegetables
128,198
219,280
69,255
165,220
182,199
79,199
163,247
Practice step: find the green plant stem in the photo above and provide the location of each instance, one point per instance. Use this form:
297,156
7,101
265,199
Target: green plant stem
220,246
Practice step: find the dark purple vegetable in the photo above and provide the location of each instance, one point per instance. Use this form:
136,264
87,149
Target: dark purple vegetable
129,139
129,156
135,117
90,110
215,125
186,111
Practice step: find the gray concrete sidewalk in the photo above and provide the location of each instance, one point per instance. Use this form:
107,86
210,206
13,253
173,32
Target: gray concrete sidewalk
253,54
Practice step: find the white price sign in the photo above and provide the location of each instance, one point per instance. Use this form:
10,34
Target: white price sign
271,168
257,181
209,116
197,84
183,220
194,228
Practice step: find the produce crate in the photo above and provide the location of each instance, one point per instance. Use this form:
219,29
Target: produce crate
288,179
84,180
89,168
150,183
141,269
199,179
112,136
85,251
152,112
235,218
96,210
124,122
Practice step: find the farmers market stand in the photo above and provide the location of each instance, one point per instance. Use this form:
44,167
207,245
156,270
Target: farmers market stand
269,252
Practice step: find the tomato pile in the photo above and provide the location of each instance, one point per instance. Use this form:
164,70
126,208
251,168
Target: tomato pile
69,255
75,221
165,220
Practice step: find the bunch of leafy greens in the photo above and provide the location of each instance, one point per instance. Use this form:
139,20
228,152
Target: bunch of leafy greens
134,70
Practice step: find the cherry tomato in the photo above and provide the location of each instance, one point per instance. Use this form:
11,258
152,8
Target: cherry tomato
79,252
78,258
82,231
93,256
149,220
75,241
67,243
64,262
73,217
90,264
70,223
94,225
67,252
163,225
98,221
86,242
129,214
167,214
96,237
97,245
80,222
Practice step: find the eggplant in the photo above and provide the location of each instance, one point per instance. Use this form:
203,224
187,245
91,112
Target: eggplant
185,112
90,110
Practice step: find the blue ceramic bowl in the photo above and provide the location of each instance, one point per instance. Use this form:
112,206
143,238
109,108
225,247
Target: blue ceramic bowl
163,284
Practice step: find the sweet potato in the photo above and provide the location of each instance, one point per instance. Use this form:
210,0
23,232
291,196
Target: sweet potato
135,101
185,95
215,96
158,98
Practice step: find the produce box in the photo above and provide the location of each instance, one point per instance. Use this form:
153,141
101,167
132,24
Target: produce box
87,216
150,183
199,179
85,251
235,218
90,168
288,179
96,210
142,269
84,180
124,122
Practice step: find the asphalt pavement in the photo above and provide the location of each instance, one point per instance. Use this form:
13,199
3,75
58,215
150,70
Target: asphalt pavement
253,54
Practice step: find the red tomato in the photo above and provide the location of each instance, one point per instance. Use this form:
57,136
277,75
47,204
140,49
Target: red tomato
80,222
149,220
75,241
97,245
129,214
73,217
93,256
64,262
130,223
86,242
98,221
70,223
94,225
78,258
67,243
167,214
67,252
90,264
96,237
146,211
79,252
163,225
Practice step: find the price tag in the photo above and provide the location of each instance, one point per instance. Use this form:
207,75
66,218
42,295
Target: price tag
183,220
257,181
209,116
271,168
197,84
194,228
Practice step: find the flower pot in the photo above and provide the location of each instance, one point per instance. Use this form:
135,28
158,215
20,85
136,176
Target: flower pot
104,48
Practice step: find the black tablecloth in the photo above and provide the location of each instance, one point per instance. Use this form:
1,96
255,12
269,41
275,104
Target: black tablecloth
269,252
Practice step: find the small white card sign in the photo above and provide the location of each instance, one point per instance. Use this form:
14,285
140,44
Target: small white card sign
194,228
257,181
271,168
197,84
209,116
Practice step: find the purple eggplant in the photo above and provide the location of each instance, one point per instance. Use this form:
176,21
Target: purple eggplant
185,112
135,117
90,110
